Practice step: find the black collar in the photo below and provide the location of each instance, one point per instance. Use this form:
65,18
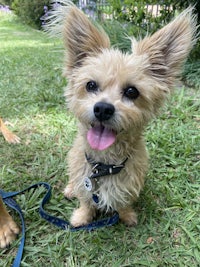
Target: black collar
100,169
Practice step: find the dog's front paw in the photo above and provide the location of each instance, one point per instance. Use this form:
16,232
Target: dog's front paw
69,191
12,138
128,216
8,135
8,232
82,216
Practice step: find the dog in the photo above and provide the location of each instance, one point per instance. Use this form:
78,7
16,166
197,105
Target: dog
8,228
113,96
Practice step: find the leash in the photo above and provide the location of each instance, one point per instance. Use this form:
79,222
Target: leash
7,198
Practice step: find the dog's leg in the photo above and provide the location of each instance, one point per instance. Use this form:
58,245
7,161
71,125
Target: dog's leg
69,191
8,228
128,216
8,135
82,215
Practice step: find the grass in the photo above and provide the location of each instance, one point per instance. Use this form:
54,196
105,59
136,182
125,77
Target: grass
31,89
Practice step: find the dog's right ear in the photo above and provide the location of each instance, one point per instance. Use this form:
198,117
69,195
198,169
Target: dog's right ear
81,38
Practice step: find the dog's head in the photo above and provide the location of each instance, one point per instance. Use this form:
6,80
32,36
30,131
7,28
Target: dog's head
112,92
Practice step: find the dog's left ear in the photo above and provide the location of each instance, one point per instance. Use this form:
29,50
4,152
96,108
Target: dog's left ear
167,49
81,38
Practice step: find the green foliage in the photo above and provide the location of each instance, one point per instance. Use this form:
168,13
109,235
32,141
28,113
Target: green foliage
191,74
118,33
128,10
195,53
6,2
137,13
30,12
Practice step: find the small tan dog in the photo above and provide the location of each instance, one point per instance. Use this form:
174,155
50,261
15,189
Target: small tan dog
114,95
8,228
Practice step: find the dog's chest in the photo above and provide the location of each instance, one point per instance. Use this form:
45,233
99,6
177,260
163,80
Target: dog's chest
105,185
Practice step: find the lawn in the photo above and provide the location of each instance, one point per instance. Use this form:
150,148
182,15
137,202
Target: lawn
32,103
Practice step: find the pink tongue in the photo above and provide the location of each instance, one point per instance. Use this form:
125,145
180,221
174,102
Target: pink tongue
100,137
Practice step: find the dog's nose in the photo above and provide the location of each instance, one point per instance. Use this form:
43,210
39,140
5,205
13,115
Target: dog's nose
103,111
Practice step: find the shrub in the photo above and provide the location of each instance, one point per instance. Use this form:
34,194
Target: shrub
137,13
191,74
30,11
5,2
119,33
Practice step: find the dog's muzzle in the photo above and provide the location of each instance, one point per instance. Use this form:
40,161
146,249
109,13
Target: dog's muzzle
100,136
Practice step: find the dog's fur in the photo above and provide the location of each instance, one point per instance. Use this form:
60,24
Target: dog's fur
135,85
8,135
8,228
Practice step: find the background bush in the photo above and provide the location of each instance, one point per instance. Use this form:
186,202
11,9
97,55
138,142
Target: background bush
30,11
133,14
6,2
137,13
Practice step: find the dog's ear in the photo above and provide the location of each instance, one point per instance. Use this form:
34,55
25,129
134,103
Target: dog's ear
167,49
82,38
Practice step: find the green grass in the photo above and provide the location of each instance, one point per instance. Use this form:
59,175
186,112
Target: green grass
31,89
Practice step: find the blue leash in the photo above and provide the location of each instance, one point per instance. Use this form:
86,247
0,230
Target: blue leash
8,200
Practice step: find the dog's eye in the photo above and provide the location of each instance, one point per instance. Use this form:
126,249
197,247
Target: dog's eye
131,92
91,86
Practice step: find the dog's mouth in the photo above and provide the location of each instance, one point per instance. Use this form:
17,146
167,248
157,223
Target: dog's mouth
101,137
